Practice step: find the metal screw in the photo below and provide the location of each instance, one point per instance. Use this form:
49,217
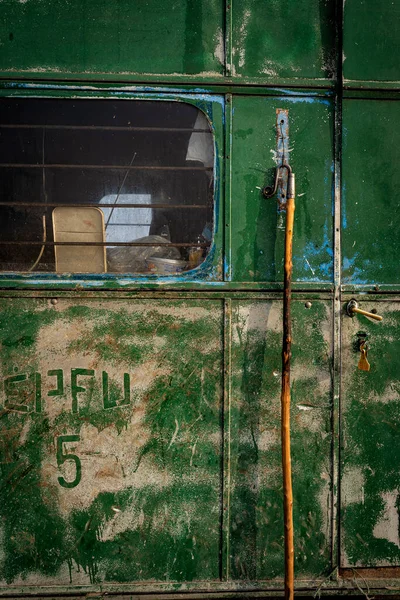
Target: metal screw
308,304
54,301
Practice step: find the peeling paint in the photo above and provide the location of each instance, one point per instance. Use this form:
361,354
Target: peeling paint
387,527
132,470
370,426
353,482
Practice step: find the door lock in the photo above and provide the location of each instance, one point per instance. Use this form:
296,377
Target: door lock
352,309
363,363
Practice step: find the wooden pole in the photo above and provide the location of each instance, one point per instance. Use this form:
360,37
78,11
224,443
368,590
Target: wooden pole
285,395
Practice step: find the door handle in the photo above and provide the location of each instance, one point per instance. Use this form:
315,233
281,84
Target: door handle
352,309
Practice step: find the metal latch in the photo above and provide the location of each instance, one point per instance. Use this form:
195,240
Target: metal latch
284,182
352,309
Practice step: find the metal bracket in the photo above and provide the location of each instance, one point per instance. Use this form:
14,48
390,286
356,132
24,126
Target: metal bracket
281,158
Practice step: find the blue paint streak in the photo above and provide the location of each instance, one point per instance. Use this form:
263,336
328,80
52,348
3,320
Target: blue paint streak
288,92
227,270
308,99
344,214
314,254
356,275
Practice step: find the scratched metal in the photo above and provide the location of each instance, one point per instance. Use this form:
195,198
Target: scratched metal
258,226
110,441
281,38
370,498
98,37
370,184
282,153
256,523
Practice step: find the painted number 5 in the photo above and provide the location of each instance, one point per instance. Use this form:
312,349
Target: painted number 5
62,458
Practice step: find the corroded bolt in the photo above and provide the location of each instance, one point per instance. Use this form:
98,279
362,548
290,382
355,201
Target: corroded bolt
308,304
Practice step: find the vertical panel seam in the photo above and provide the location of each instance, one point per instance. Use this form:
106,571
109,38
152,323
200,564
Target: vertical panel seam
337,333
227,235
226,428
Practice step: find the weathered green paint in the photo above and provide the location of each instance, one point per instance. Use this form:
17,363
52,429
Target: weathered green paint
256,523
142,498
95,39
367,26
126,486
370,440
284,39
370,204
99,37
117,370
257,224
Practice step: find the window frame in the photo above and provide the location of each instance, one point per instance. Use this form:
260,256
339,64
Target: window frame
211,269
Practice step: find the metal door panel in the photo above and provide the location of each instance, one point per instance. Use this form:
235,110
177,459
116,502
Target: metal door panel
93,38
110,441
283,39
256,521
371,41
370,453
370,183
257,229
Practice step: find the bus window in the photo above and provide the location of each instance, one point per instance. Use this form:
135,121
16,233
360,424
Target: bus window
146,165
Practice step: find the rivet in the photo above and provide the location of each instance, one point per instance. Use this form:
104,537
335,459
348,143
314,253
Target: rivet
308,304
54,301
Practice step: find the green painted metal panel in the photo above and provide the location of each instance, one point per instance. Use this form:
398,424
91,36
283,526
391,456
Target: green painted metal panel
370,184
273,39
111,441
370,455
256,520
371,41
257,228
101,37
